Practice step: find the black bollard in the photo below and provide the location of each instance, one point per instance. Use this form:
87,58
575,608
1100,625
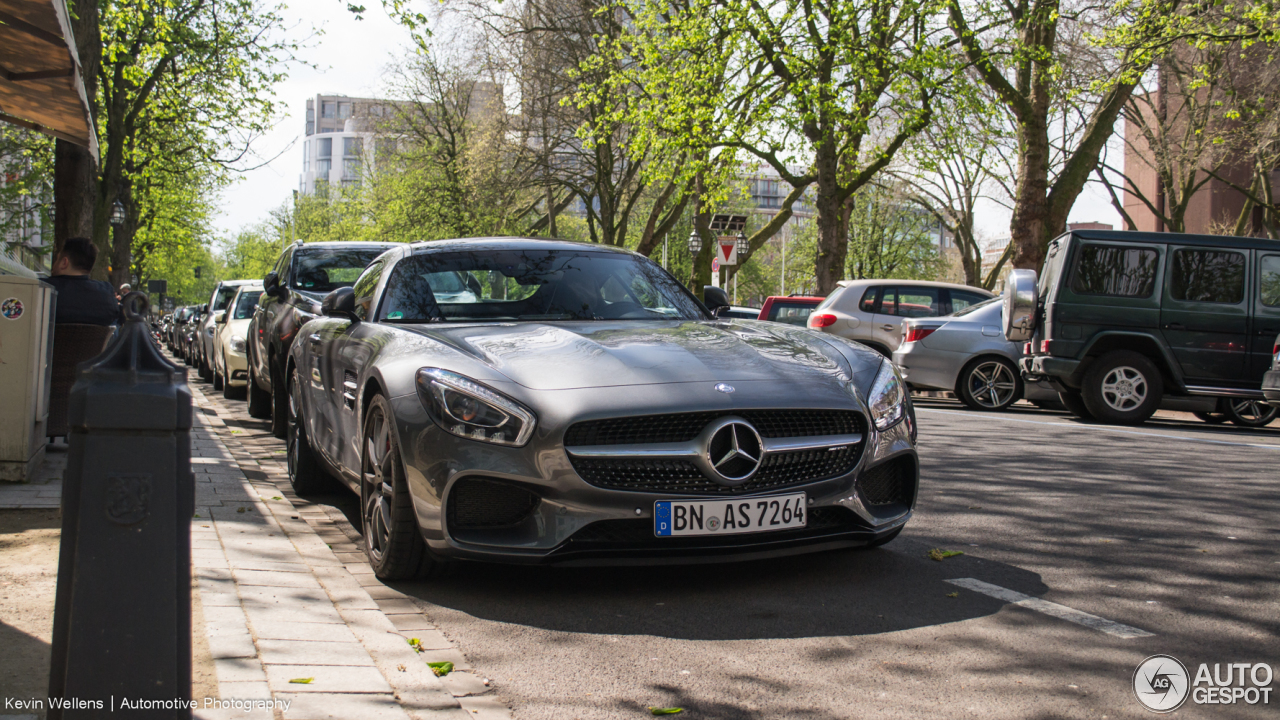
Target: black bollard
122,612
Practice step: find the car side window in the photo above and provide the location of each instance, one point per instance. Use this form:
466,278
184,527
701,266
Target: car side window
868,303
282,268
364,287
1269,280
1209,276
1115,270
961,299
911,301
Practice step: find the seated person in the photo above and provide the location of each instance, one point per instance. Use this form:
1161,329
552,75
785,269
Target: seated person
81,299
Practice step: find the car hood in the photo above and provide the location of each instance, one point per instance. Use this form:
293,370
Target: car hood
564,356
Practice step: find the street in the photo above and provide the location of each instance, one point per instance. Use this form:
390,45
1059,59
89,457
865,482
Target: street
1168,529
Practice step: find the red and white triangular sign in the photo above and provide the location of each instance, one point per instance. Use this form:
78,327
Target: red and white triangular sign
728,251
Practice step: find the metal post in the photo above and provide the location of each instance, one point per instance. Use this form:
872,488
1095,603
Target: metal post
664,255
122,610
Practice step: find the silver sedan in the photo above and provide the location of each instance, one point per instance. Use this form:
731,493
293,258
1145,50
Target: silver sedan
966,353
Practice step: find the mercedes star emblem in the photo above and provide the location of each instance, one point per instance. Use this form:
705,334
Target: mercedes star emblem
734,452
724,387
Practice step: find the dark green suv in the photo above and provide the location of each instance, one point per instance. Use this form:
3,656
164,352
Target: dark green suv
1121,322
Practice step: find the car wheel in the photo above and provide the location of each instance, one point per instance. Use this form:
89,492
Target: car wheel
279,406
259,399
305,474
1248,413
1122,388
989,383
392,538
206,373
1213,418
1075,404
218,382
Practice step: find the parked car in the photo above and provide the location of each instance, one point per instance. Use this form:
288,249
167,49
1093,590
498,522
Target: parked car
966,353
871,311
587,408
187,336
1120,321
205,348
791,309
1245,412
231,364
291,295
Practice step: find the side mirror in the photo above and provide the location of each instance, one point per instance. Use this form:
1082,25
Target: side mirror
220,317
1020,306
715,299
271,283
340,303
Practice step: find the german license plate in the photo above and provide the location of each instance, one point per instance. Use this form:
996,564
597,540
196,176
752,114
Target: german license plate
677,518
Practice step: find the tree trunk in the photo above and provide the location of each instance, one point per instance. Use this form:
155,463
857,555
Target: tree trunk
1030,226
833,232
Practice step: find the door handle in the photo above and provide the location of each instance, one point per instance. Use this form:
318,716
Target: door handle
887,328
313,339
1174,326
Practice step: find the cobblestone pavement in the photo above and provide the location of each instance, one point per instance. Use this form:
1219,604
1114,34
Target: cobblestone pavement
289,596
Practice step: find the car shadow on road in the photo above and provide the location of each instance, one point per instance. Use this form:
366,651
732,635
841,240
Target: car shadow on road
838,593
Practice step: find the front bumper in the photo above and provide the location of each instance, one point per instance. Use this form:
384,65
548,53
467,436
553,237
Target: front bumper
1271,387
573,522
237,369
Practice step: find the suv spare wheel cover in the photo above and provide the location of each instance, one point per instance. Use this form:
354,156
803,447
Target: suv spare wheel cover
1020,306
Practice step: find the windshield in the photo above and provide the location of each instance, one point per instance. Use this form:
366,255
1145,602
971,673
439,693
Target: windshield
530,285
320,271
245,304
222,297
985,303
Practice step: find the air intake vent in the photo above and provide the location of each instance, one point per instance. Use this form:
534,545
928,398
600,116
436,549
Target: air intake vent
887,483
476,503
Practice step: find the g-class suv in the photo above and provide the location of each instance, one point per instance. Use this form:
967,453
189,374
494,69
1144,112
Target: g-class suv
1120,322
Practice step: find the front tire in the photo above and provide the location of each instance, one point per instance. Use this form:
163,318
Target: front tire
1247,413
219,381
1122,388
206,372
259,399
305,473
392,538
989,383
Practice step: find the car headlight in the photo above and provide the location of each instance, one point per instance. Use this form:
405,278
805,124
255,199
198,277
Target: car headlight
470,410
237,344
888,398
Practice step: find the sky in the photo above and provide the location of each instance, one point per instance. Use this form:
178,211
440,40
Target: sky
350,57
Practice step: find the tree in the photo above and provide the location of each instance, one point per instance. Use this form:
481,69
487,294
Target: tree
26,186
824,92
1064,72
889,237
180,82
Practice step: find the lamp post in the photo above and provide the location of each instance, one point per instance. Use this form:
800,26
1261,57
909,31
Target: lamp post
695,243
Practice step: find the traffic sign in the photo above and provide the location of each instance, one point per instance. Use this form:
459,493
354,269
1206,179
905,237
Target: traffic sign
727,250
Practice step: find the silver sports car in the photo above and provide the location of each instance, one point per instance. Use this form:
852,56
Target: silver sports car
551,402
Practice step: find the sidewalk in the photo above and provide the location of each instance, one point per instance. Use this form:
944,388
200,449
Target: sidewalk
287,596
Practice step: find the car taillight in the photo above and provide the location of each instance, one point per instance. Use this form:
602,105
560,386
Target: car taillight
1026,349
1044,347
915,334
822,320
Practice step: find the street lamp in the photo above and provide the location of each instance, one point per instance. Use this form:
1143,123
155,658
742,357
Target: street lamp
744,246
695,242
117,214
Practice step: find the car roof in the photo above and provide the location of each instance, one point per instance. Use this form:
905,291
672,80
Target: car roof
512,243
348,243
1134,236
236,283
924,283
802,298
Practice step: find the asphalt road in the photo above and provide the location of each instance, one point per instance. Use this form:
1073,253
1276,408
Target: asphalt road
1172,528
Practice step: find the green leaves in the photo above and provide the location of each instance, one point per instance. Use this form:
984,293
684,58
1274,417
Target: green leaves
940,555
665,711
302,681
441,668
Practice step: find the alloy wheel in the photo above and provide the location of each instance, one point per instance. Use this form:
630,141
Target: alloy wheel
992,384
1253,413
378,490
1124,388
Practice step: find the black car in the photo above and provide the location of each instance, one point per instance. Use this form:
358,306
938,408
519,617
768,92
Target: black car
1123,322
291,296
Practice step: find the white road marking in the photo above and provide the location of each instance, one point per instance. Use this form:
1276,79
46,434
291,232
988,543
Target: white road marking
1053,609
1099,428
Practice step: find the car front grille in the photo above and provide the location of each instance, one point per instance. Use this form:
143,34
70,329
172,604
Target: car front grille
682,427
888,483
778,470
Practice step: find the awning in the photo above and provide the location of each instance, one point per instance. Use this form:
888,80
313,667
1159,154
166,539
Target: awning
40,85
